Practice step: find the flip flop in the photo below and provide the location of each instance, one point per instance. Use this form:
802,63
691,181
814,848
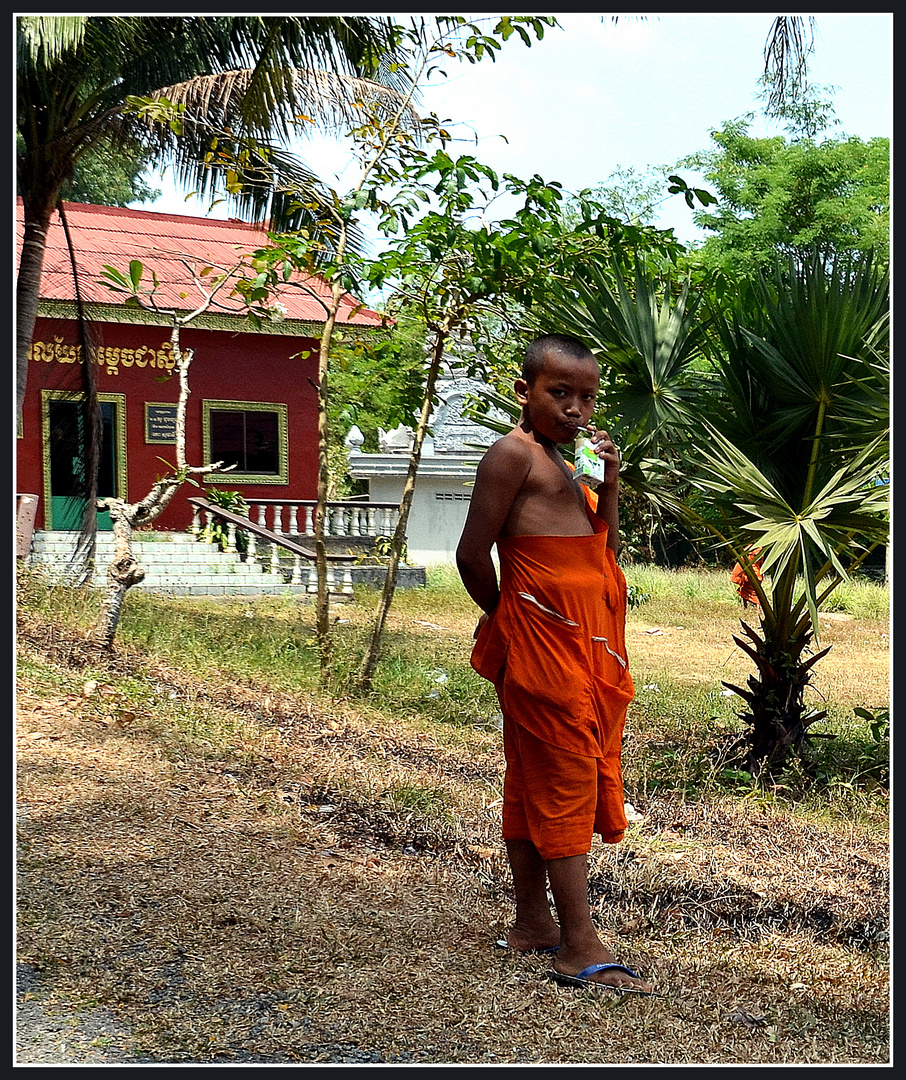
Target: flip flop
502,943
584,979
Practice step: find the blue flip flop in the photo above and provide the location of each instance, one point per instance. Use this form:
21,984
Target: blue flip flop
584,979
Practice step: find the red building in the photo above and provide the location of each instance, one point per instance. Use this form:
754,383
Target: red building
253,399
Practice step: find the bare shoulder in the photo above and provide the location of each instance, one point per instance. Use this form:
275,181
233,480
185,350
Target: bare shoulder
499,479
504,468
505,455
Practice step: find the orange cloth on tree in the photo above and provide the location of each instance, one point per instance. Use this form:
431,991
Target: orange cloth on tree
555,649
740,578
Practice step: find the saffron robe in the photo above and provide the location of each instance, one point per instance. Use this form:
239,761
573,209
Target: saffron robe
740,577
554,648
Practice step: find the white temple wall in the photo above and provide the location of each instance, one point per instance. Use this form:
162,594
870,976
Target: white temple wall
439,508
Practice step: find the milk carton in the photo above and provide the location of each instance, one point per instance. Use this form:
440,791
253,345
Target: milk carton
589,467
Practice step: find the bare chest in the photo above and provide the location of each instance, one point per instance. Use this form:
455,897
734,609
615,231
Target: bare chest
550,503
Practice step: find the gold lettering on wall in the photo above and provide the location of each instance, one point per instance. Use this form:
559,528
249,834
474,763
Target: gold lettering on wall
108,357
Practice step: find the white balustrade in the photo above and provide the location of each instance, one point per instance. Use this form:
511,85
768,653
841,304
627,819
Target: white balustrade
342,519
291,518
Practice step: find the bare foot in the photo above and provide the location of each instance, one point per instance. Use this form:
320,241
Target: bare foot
541,938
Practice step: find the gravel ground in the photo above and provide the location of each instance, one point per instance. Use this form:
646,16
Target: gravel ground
49,1035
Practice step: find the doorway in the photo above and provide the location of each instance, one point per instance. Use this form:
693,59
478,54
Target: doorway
64,458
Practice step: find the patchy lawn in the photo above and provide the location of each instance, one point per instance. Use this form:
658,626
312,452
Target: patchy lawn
243,874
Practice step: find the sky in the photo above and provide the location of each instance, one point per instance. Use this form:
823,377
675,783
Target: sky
593,97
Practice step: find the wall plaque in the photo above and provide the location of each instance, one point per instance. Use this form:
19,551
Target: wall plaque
160,423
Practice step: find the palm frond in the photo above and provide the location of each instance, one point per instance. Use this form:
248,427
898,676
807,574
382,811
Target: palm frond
47,36
292,101
796,539
647,339
786,55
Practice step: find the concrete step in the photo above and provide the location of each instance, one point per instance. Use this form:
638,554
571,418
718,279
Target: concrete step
177,564
174,563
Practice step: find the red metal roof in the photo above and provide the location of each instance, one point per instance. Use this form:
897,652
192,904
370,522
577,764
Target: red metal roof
172,246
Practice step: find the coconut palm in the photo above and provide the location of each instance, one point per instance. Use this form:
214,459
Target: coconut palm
244,80
792,460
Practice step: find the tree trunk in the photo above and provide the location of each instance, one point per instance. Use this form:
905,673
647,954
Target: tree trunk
122,574
124,571
778,718
369,663
28,292
322,613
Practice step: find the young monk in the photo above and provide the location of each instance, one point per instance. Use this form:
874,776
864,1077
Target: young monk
551,639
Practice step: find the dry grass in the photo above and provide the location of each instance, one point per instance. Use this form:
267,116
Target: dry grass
697,650
312,881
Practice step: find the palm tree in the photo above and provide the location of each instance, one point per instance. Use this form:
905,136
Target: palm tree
783,444
793,459
651,335
245,80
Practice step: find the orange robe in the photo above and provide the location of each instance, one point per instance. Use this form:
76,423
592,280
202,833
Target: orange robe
555,650
740,578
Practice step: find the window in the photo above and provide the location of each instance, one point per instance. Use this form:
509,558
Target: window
250,436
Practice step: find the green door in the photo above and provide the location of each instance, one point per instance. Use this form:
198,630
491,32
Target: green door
66,451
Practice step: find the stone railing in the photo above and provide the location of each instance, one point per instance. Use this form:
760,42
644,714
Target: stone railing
347,518
270,547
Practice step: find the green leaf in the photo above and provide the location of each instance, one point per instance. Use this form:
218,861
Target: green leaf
136,270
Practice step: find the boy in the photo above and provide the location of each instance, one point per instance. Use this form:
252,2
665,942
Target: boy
551,639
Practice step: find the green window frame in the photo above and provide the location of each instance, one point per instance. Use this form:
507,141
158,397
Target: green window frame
250,434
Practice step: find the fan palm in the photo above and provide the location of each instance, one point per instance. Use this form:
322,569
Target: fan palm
792,462
245,79
652,340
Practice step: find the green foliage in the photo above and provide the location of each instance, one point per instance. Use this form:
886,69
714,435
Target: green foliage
108,176
76,75
776,196
383,547
419,799
377,382
878,724
137,293
635,597
786,466
626,194
217,530
647,332
691,195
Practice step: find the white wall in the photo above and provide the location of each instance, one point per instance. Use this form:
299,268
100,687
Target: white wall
439,508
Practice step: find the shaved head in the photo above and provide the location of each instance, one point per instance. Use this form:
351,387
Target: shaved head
553,344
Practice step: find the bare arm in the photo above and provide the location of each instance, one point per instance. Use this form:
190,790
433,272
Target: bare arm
499,478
